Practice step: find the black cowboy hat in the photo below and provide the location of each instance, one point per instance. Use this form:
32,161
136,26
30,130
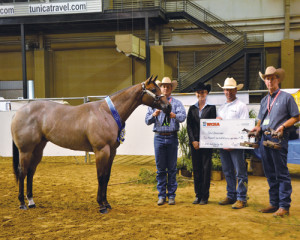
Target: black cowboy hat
202,86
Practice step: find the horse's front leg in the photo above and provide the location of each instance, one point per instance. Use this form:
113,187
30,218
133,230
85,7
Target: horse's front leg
103,171
104,192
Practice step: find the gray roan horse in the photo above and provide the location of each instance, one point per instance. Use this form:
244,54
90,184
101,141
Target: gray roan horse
87,127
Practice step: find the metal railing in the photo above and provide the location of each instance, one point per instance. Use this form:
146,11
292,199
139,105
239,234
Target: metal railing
85,99
41,99
255,40
210,63
201,14
192,9
218,57
239,40
120,5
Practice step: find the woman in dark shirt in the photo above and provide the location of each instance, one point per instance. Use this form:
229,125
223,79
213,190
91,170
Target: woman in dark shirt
201,157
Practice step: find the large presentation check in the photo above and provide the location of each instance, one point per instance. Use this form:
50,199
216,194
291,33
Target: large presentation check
215,133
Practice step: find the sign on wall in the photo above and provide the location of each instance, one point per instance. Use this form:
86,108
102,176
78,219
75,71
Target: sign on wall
29,9
215,133
48,8
7,10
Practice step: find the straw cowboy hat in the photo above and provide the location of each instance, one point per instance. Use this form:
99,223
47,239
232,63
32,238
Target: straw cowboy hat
230,83
202,86
167,80
273,71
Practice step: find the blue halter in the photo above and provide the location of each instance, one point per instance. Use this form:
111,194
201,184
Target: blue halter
114,112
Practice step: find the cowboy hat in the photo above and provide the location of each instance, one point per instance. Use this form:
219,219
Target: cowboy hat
230,83
167,80
202,86
273,71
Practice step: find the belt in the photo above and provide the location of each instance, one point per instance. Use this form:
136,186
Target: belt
166,133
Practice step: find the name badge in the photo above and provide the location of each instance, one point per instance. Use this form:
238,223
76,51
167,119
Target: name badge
266,122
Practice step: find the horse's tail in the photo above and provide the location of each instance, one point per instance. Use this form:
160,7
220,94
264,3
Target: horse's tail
16,161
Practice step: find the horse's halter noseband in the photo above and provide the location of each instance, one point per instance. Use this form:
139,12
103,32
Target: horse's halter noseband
146,91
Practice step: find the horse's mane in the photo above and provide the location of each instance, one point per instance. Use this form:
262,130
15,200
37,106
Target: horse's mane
124,89
113,94
130,87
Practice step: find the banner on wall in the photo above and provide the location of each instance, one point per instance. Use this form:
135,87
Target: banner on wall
49,8
295,92
296,95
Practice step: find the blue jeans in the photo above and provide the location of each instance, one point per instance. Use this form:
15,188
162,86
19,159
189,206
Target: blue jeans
234,168
277,173
166,162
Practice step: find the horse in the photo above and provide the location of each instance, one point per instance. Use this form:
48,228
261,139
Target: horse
89,127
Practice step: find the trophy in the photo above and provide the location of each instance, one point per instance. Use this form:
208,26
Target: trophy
274,134
251,134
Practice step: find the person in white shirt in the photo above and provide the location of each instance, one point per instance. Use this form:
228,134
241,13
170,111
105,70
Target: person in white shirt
233,160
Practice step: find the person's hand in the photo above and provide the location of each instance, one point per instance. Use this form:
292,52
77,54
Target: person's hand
195,145
156,113
219,118
256,129
228,149
279,130
172,115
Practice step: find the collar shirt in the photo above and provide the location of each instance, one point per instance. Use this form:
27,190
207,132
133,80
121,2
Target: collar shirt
233,110
177,108
200,110
284,107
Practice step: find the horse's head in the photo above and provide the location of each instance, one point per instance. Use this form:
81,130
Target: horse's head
153,97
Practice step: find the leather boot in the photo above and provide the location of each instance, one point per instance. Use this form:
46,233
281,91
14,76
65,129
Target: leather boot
281,212
269,209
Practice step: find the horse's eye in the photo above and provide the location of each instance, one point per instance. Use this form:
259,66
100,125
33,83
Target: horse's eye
153,90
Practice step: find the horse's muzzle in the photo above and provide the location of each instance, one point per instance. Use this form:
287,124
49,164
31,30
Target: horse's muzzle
167,108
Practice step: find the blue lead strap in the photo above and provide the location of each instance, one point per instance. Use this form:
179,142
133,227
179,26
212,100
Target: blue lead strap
114,112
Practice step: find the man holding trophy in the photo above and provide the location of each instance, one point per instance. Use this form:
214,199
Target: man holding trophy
278,112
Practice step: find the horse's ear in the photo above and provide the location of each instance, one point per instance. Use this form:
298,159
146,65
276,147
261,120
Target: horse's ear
149,80
155,78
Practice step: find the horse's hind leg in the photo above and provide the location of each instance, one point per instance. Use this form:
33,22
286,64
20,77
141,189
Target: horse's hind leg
30,174
35,160
21,192
23,169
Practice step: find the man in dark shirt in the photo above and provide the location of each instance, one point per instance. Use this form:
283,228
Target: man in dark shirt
278,111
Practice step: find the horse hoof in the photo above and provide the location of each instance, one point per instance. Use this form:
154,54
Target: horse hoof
103,211
108,206
23,207
32,206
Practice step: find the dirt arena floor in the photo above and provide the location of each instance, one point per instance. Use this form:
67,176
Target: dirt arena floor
65,194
